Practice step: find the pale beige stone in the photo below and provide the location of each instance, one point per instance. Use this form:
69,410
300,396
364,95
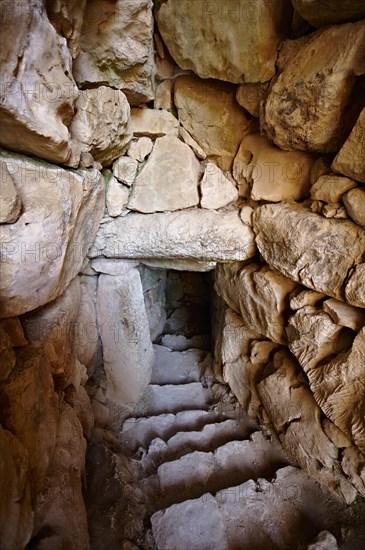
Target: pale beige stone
169,180
163,96
353,464
45,249
67,16
246,214
355,287
308,248
140,148
355,205
322,167
38,90
334,210
323,69
344,314
117,48
86,327
125,170
305,298
180,265
116,197
336,435
112,266
273,175
203,37
125,335
250,96
203,235
259,295
209,112
216,189
331,188
101,123
83,410
153,123
324,541
186,137
10,204
351,159
327,12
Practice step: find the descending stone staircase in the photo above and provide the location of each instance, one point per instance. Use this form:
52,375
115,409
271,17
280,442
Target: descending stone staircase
211,479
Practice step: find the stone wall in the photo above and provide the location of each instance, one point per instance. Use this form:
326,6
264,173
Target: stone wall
227,138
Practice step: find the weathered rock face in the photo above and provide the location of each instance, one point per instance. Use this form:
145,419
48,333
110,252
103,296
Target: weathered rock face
355,289
10,204
216,189
354,202
169,180
209,112
308,248
66,16
250,96
192,235
101,123
327,12
125,334
153,123
61,213
117,48
116,197
306,106
38,91
203,37
350,160
273,175
331,188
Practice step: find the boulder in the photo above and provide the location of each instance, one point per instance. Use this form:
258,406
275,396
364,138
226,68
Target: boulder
67,16
10,204
311,106
37,90
186,137
308,248
202,235
125,335
250,96
169,179
117,48
331,188
153,123
273,175
355,288
216,189
163,96
45,249
259,295
125,169
351,160
209,111
101,123
204,36
328,12
139,149
116,197
354,202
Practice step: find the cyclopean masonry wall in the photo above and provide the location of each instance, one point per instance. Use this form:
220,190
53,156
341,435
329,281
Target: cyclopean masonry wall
257,177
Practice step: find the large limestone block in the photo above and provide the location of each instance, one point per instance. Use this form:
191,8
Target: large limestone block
307,247
101,123
186,235
354,202
153,123
326,12
16,514
273,175
216,189
310,107
45,249
169,180
87,334
125,335
116,198
233,41
10,204
37,88
117,48
259,295
355,287
209,111
331,188
67,16
351,159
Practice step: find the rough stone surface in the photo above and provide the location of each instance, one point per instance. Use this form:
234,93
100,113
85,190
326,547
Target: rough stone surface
331,188
350,160
324,541
101,123
117,48
327,12
10,204
192,235
87,334
203,37
38,93
163,96
209,112
273,175
259,295
140,148
308,248
66,16
116,197
125,334
250,96
169,180
153,123
216,189
344,314
45,249
125,170
354,202
305,298
355,288
186,137
306,106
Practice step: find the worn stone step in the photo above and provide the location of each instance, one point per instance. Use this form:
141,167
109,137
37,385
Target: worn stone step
176,367
284,514
157,399
199,472
207,439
